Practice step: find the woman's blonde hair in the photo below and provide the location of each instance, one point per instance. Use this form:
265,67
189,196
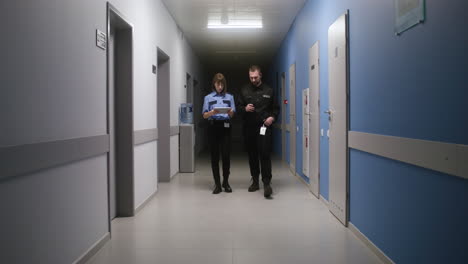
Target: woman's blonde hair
219,78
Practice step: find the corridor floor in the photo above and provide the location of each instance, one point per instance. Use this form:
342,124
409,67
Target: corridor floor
186,223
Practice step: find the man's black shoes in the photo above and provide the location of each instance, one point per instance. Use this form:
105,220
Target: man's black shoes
267,190
254,187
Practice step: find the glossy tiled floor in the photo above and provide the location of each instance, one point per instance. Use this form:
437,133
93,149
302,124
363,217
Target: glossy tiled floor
185,223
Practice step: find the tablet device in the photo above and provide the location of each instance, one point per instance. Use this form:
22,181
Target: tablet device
222,110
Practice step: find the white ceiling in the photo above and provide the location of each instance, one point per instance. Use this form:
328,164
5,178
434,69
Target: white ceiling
234,46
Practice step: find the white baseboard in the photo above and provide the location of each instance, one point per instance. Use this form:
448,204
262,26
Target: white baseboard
292,169
379,253
301,179
93,250
143,204
325,202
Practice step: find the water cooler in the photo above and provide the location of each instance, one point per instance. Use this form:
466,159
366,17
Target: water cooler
186,139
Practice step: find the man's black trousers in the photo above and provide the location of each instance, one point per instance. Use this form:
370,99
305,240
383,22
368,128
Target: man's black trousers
259,149
220,142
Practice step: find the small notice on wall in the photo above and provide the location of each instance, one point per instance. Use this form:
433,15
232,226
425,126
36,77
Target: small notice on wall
101,39
408,13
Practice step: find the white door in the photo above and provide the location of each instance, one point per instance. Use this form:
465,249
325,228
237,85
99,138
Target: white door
292,118
314,119
338,121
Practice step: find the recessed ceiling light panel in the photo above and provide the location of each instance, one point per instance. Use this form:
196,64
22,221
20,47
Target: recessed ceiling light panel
234,19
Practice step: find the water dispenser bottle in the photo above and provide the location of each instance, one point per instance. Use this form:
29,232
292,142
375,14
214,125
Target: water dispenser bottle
186,113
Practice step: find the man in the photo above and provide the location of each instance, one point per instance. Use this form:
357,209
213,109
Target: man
259,109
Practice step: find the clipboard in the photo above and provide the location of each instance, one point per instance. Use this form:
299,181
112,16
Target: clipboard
222,110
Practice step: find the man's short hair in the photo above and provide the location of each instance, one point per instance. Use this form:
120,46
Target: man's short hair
255,68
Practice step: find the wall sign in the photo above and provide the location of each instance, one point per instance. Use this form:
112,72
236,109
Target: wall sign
101,39
408,13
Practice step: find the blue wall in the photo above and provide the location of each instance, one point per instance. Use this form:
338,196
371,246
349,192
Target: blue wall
413,85
414,215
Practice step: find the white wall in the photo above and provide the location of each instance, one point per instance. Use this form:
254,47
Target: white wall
55,215
155,28
171,40
53,87
50,67
146,182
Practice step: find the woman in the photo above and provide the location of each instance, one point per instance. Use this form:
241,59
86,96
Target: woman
219,108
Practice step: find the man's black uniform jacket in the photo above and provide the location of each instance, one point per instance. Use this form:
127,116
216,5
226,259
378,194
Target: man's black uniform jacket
264,101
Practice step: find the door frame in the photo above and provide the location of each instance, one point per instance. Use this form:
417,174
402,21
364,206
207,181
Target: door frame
189,89
163,116
123,98
283,115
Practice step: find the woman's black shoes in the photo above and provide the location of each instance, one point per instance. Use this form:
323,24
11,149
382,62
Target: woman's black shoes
226,187
217,189
268,191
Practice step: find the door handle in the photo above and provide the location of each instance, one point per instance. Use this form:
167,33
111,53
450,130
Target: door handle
329,112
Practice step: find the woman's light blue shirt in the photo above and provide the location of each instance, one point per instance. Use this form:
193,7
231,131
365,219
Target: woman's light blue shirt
214,99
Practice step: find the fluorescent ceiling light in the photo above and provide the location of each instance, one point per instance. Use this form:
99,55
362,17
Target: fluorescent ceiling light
231,19
234,26
235,51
